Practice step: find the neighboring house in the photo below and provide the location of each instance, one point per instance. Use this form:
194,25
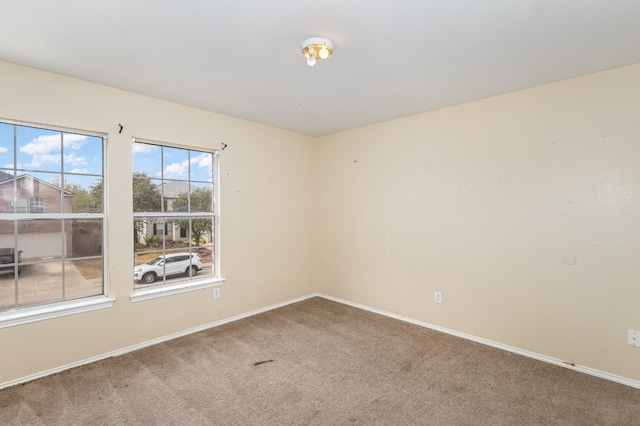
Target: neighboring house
39,237
169,190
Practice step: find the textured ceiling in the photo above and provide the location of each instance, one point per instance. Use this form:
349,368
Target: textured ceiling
392,58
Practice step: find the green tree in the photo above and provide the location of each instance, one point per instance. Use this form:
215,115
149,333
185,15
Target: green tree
201,201
96,196
81,200
146,197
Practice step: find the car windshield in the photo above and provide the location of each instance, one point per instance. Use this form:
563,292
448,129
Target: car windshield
155,261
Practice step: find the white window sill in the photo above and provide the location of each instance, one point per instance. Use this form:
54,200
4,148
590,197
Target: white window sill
53,310
169,289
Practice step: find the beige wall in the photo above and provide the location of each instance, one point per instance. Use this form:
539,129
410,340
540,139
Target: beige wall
489,202
522,209
267,217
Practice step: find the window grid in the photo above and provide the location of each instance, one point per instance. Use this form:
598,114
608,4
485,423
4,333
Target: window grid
175,224
42,249
36,205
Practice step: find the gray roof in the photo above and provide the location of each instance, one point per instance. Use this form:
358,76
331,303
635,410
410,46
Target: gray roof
173,188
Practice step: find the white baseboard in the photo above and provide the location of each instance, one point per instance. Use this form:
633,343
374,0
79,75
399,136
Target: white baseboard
539,357
152,342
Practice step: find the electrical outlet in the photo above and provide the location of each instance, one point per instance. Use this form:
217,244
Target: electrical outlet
633,338
437,297
216,293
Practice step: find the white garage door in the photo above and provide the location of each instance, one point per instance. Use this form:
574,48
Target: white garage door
36,245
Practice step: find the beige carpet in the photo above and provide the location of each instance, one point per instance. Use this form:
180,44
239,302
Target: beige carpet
318,362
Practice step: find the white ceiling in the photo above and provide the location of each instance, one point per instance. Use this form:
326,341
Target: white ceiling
393,58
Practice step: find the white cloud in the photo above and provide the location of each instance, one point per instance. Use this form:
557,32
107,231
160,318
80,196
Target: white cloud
72,160
142,148
3,149
41,159
80,171
179,170
72,141
203,160
45,149
42,145
176,170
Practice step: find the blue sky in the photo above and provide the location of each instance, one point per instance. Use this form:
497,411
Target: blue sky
172,163
41,153
40,150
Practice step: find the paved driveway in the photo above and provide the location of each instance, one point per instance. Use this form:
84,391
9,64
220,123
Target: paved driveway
42,283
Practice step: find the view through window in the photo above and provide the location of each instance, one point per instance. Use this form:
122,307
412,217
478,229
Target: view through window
174,214
51,215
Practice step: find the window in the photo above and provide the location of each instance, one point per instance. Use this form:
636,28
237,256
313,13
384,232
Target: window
36,205
175,194
55,254
19,206
158,229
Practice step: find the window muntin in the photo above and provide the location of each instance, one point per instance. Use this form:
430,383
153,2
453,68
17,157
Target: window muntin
51,215
36,205
174,213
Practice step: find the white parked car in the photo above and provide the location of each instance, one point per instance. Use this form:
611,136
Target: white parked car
172,264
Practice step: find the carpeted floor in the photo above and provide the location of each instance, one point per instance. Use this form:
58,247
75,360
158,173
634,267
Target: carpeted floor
319,362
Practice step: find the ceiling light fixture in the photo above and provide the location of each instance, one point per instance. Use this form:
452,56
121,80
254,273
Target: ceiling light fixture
316,49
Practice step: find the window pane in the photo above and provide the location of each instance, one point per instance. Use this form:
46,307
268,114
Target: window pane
147,159
149,268
39,149
82,154
7,192
86,237
9,257
43,186
201,166
40,283
205,252
180,196
7,289
146,194
202,198
139,233
149,233
175,195
7,239
83,278
181,265
176,163
83,194
41,239
201,230
6,147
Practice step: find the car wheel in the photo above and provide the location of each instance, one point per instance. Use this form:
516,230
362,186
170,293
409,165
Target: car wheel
148,278
191,271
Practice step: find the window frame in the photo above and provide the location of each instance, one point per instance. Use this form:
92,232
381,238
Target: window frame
215,280
32,313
